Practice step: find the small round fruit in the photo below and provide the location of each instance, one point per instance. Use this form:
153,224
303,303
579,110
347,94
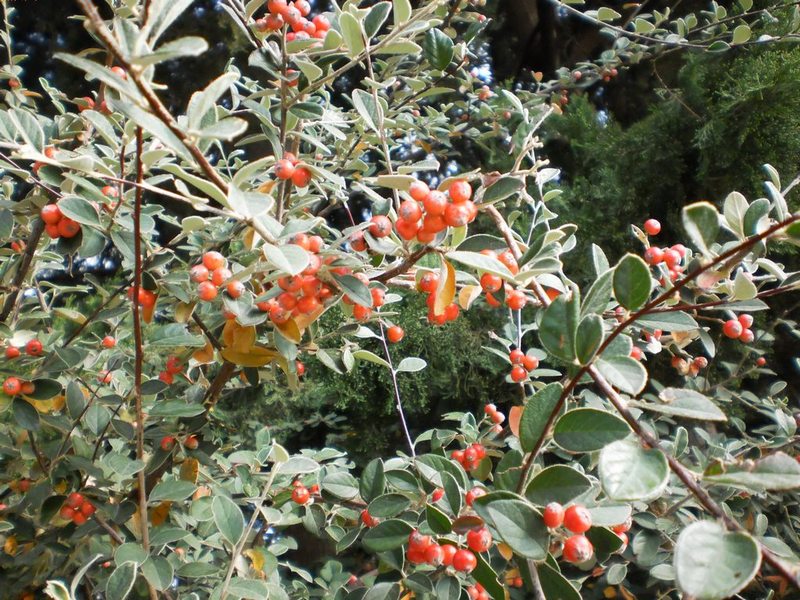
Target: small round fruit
173,365
34,348
74,500
474,493
67,512
465,561
449,552
746,321
213,260
87,509
435,204
747,336
577,518
235,289
380,226
284,169
79,518
518,374
67,228
732,329
434,555
516,356
491,283
761,361
577,549
12,352
199,273
108,342
652,227
460,191
191,442
479,540
653,255
553,515
368,520
28,388
165,377
207,291
220,276
516,300
51,214
530,363
12,386
418,541
419,190
300,495
395,333
437,495
167,443
301,177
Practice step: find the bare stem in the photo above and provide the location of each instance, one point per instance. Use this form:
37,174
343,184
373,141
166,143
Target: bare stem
396,388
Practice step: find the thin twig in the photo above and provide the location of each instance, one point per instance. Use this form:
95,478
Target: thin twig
396,387
24,266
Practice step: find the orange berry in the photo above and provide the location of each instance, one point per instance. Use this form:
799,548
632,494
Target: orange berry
395,333
50,214
108,342
380,226
67,228
460,191
235,289
207,291
220,275
419,190
284,169
409,210
12,386
435,203
34,348
301,177
199,273
213,260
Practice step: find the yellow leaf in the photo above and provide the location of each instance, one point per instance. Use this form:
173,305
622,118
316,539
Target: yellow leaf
505,551
266,187
467,295
250,238
10,547
190,469
158,514
254,357
303,321
205,354
47,406
237,337
257,560
70,315
290,330
60,487
446,291
183,312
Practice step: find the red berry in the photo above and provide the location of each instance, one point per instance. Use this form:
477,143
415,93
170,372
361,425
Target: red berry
732,329
410,210
321,22
74,500
530,363
407,230
166,377
380,226
479,540
516,356
761,361
474,493
12,386
636,353
167,443
498,418
449,552
460,191
67,512
516,300
429,282
671,258
746,321
213,260
577,549
220,276
191,442
235,289
277,7
367,519
12,352
79,518
207,291
553,515
50,214
747,336
653,255
518,374
623,527
457,215
173,365
108,342
88,509
395,333
491,283
301,177
419,190
437,494
435,204
652,227
418,541
577,519
300,495
464,561
284,169
34,348
434,555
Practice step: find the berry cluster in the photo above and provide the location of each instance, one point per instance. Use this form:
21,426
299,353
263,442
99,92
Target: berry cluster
522,363
689,367
14,385
173,367
56,224
491,283
302,494
495,416
429,212
739,329
32,348
469,458
168,443
294,15
428,284
422,549
289,167
77,509
213,273
577,520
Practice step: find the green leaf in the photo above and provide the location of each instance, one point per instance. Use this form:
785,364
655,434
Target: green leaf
185,46
486,576
388,505
632,282
369,110
352,33
554,585
588,338
607,14
376,17
503,188
153,126
120,583
44,389
175,409
130,553
534,418
668,321
517,524
452,492
340,484
203,101
776,472
588,429
743,287
79,210
629,472
701,222
558,483
159,572
389,535
57,590
174,335
311,111
755,216
402,11
712,563
686,403
599,295
438,48
382,591
248,589
226,129
437,520
741,34
290,258
228,518
175,491
373,480
354,288
481,262
411,364
370,357
558,328
624,373
25,414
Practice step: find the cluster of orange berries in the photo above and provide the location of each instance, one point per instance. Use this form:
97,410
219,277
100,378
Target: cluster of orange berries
56,224
14,385
431,211
577,520
491,283
32,348
670,257
213,273
686,367
422,549
77,509
289,167
302,494
522,363
470,457
168,443
172,367
294,15
739,329
496,417
428,284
